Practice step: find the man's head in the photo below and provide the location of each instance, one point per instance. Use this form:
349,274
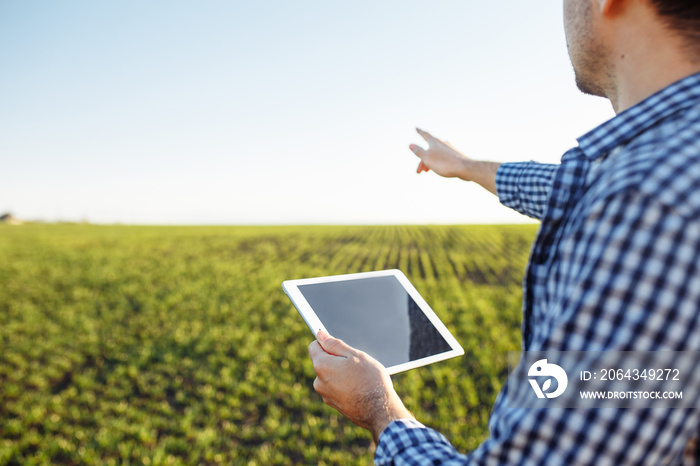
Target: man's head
611,42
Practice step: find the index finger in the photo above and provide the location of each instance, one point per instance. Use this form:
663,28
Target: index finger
315,349
426,135
317,353
320,359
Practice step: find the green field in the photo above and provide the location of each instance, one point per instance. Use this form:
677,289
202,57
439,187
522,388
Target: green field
177,345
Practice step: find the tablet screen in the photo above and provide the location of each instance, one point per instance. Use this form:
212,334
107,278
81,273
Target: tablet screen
376,315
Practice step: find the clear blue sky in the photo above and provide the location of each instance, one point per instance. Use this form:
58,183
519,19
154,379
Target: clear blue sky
275,112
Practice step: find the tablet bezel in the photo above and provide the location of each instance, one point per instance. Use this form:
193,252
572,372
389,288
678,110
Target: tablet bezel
291,288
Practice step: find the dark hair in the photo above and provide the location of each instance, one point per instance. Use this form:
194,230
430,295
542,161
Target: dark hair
683,17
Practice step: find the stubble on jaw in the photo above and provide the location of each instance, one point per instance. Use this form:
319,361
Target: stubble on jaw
587,53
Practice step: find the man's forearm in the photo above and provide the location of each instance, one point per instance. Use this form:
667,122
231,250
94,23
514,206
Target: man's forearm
481,172
385,414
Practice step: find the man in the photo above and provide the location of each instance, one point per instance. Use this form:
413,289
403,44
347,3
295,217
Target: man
616,263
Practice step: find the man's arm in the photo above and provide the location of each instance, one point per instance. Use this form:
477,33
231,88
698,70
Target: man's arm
635,286
523,186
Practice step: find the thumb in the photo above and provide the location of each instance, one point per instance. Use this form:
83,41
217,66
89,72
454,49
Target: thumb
418,150
333,346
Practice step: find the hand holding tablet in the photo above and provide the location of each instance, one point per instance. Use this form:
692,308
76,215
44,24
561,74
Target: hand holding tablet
380,313
355,384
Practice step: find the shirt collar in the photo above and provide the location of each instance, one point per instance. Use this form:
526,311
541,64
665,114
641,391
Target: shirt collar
633,121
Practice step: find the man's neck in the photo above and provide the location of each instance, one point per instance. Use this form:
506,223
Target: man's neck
646,58
635,83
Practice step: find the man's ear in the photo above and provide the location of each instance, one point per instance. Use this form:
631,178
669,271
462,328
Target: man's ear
607,7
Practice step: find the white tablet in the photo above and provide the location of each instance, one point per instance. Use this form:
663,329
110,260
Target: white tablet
380,313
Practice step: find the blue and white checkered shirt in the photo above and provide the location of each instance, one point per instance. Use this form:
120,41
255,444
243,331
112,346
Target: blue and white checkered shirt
615,266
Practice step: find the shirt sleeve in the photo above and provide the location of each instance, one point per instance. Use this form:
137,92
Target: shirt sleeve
525,186
631,282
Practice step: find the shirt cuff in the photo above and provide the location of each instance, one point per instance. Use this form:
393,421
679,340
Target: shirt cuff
403,434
